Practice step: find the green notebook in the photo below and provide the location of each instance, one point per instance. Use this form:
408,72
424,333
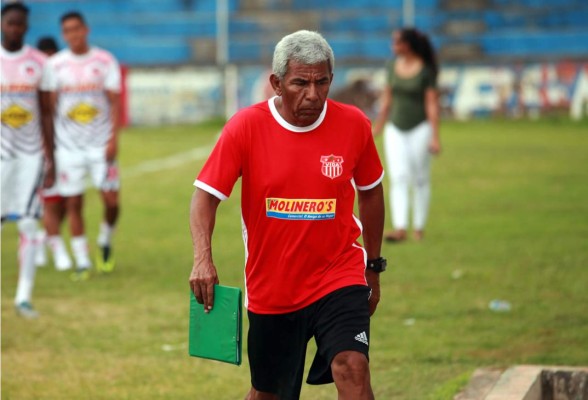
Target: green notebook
217,335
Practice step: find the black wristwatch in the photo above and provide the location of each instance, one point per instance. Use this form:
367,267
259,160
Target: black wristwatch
377,265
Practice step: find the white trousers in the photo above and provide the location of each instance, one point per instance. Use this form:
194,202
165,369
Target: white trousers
409,164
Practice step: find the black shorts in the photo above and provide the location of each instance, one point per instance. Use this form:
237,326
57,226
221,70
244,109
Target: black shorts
340,321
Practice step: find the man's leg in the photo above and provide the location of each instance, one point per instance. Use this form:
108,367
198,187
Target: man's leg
342,331
351,373
53,216
110,200
27,229
277,349
71,171
256,395
79,243
105,176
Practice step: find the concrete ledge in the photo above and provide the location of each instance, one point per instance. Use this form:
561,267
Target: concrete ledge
528,382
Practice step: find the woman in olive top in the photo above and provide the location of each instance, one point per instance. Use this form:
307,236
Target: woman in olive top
410,113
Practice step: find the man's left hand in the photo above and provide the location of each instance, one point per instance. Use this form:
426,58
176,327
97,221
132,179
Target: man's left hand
373,281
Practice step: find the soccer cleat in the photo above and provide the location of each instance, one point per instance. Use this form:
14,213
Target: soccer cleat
26,310
105,260
80,275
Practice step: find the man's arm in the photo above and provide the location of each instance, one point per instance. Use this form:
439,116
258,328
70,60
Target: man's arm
112,146
202,218
47,102
371,215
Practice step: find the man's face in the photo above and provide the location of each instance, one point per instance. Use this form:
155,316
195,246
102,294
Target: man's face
75,33
14,27
304,90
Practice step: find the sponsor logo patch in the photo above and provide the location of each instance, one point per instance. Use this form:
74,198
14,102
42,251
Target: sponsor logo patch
300,209
83,113
332,166
16,117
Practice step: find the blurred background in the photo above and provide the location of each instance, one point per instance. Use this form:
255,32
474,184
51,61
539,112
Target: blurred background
508,57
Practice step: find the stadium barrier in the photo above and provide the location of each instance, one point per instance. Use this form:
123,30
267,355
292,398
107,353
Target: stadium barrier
192,94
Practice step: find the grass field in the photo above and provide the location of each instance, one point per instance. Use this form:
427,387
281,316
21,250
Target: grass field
509,220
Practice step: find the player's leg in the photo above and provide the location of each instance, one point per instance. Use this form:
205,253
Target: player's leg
53,216
71,170
421,166
106,178
79,243
28,206
277,349
342,334
395,147
27,229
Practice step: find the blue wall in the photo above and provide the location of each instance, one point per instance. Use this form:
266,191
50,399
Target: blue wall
161,32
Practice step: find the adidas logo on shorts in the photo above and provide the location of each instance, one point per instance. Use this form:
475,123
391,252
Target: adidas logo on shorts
362,337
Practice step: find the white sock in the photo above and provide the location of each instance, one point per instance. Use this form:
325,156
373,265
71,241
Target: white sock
27,227
105,234
61,258
79,247
40,253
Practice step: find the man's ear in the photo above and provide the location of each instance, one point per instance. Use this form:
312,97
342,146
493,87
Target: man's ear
276,84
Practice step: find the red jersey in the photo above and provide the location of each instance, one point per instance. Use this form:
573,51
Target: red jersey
298,194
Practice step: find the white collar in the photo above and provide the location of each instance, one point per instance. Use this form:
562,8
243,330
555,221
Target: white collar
289,126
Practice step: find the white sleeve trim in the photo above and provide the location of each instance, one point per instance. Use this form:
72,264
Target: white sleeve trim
210,189
373,185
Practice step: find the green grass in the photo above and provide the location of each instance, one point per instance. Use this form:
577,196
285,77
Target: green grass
509,211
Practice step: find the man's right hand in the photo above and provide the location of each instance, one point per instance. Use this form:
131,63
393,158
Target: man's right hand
202,281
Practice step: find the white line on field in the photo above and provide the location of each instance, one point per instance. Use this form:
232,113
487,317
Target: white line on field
160,164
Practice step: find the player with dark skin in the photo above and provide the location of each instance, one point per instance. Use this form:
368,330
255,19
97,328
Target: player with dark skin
14,28
303,92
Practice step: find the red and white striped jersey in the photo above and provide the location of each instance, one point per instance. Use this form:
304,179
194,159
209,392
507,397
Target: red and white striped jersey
83,110
19,81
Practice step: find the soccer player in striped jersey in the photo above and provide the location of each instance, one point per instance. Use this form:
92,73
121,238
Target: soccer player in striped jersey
84,82
26,136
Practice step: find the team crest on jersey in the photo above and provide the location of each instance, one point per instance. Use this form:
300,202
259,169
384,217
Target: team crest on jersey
83,113
94,71
30,71
16,117
332,166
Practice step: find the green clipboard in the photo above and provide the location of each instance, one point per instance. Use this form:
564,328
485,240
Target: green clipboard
217,335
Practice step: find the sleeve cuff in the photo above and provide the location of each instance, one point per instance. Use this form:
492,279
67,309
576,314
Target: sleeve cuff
372,185
209,189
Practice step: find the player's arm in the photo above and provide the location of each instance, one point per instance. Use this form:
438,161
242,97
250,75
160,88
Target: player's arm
432,110
202,218
47,102
371,215
112,146
385,104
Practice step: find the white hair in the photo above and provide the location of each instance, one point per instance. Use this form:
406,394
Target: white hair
305,47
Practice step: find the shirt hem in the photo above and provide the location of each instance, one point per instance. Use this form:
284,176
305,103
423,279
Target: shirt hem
209,189
306,303
373,185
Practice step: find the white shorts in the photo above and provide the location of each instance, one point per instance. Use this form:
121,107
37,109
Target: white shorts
73,167
22,178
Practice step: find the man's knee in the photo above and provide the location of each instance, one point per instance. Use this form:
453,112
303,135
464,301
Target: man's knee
110,199
256,395
74,204
351,367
